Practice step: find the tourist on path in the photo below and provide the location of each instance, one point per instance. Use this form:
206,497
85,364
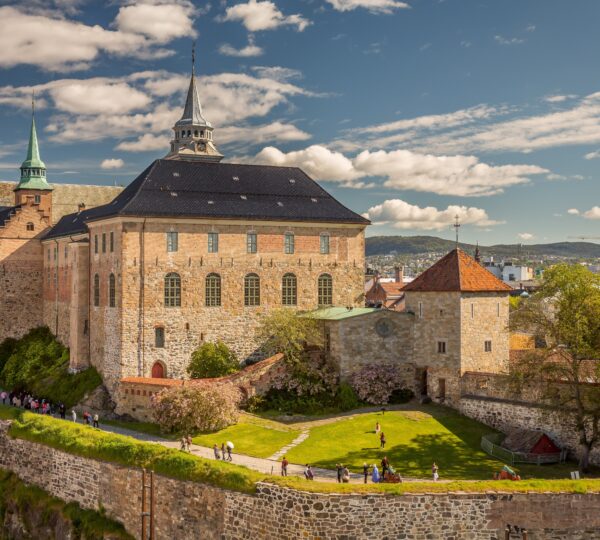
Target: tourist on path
188,442
385,466
223,451
434,472
365,471
3,395
284,466
338,469
345,475
74,415
62,410
182,444
377,428
216,451
308,473
229,453
96,421
375,476
382,440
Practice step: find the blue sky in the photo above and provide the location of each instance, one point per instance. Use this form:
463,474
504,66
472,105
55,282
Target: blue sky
409,112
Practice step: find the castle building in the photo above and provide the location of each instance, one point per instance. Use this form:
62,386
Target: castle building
194,250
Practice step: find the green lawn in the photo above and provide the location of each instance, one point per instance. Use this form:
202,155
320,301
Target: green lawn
251,437
415,438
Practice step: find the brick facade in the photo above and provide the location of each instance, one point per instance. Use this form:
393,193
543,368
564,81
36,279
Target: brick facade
189,510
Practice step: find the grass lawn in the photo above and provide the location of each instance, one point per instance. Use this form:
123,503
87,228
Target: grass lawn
251,436
415,437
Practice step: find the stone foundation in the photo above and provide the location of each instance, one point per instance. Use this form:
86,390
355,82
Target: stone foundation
188,510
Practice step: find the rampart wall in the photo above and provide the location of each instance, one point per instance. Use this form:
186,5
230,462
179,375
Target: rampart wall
188,510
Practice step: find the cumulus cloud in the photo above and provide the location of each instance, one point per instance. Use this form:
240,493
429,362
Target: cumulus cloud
593,155
559,98
112,164
146,143
374,6
525,236
404,169
573,211
508,41
592,213
244,52
402,215
258,15
51,41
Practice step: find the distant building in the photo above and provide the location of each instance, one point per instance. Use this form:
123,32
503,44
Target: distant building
386,293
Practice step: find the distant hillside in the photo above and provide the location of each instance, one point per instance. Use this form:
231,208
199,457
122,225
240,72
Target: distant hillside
415,245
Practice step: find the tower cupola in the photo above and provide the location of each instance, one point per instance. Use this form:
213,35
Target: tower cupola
33,169
193,133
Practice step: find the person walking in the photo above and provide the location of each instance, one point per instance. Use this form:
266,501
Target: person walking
188,443
223,451
338,470
375,476
385,466
3,396
62,410
182,444
96,420
377,428
434,472
284,466
73,415
216,451
229,458
308,473
345,475
382,440
365,471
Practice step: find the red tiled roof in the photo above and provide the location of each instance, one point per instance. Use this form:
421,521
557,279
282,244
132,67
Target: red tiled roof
392,287
457,271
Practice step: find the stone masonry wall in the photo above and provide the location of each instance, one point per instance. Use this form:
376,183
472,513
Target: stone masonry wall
188,511
505,415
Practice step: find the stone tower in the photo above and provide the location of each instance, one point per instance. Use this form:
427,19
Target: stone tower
461,323
193,133
33,183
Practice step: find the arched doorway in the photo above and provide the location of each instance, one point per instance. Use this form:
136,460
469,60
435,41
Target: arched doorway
158,371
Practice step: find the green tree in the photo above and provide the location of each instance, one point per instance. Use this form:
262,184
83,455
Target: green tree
565,312
212,360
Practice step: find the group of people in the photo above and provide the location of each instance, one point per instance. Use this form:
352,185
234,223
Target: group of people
223,453
343,473
28,402
186,443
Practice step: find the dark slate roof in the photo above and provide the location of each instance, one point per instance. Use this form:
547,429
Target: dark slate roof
170,188
6,212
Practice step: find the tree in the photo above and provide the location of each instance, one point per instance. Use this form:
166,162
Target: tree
202,407
212,360
565,312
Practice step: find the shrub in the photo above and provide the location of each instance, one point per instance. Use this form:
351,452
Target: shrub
39,364
401,395
346,397
206,407
375,384
212,360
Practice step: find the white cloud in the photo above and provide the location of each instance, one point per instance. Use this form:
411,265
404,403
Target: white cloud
146,143
403,169
160,22
559,98
245,52
530,28
593,155
274,131
402,215
374,6
58,44
592,213
277,73
508,41
112,164
258,15
525,236
573,211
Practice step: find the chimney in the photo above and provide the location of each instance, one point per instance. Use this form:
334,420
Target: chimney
399,274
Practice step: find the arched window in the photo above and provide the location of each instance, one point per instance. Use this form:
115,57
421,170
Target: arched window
289,290
158,371
213,290
195,133
30,226
111,291
325,290
96,290
252,290
159,337
172,290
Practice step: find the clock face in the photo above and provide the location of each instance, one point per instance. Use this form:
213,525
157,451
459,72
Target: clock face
202,147
383,327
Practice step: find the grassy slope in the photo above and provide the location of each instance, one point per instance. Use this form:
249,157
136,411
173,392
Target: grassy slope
415,440
95,444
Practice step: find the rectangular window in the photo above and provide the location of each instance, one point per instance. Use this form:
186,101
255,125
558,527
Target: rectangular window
420,310
441,347
472,311
251,243
213,242
172,241
289,243
96,243
103,242
66,252
324,244
37,199
55,253
498,309
112,242
487,346
159,337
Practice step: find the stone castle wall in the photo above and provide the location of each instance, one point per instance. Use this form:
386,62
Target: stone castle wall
188,510
21,272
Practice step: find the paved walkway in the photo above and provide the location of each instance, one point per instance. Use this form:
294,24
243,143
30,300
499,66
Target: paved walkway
283,451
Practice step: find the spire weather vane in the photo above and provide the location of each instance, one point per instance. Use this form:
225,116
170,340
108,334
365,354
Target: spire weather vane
456,228
194,57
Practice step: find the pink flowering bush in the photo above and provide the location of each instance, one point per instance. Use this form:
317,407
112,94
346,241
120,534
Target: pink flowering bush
375,384
311,376
190,409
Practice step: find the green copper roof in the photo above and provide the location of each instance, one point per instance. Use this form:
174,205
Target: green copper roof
33,169
340,313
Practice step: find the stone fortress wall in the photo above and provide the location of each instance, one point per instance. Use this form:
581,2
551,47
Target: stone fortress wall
188,510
